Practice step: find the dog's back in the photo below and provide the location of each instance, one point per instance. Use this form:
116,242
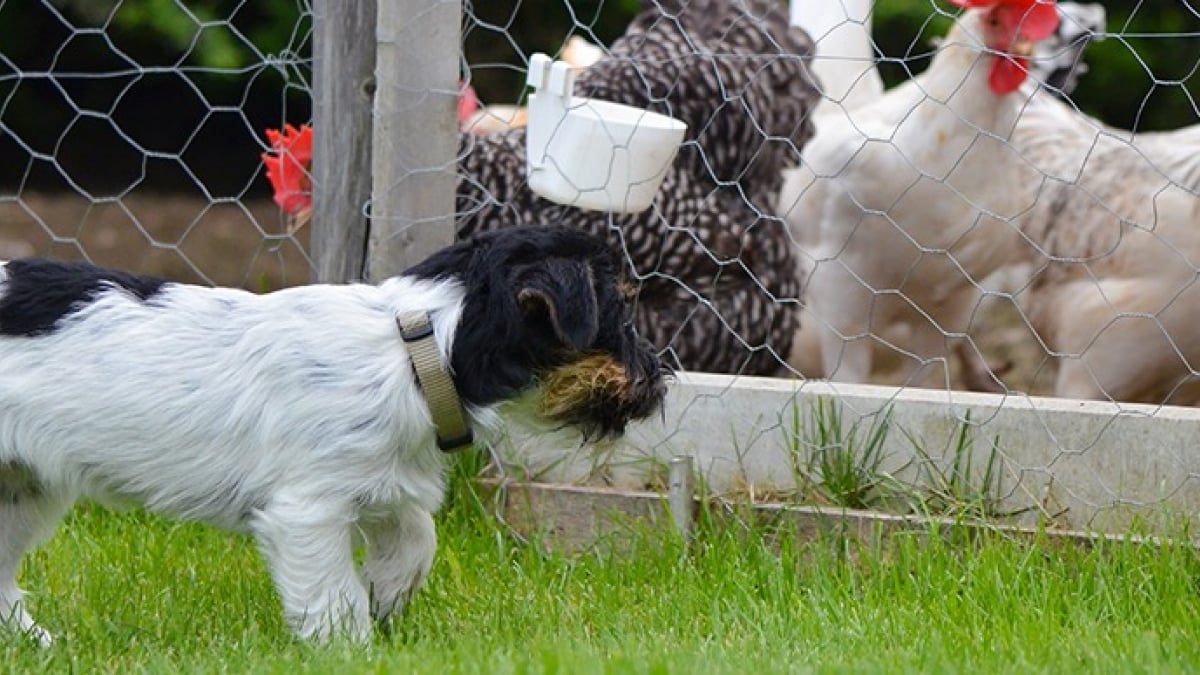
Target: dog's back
193,400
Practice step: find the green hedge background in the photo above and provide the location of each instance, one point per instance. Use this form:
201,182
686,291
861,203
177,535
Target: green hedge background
1144,76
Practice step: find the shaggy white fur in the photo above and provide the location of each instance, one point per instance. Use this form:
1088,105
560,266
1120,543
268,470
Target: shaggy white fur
291,415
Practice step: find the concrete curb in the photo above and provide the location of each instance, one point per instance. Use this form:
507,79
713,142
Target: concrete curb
1087,465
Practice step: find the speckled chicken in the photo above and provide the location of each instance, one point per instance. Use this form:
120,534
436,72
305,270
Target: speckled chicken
717,290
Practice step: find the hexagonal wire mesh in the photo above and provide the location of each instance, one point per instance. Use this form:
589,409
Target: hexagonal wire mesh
131,133
949,233
971,228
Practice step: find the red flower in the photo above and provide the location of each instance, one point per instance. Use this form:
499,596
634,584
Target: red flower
288,168
1009,23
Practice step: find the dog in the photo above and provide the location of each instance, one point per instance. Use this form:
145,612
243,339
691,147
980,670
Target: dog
303,416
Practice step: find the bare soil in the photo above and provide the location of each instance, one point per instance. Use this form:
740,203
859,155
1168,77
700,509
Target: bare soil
181,238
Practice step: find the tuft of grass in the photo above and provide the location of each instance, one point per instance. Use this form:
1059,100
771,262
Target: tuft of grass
843,465
960,489
840,464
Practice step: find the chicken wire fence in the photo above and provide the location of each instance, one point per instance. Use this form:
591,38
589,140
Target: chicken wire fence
131,131
971,228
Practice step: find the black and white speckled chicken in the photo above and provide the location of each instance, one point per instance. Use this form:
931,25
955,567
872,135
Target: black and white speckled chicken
718,290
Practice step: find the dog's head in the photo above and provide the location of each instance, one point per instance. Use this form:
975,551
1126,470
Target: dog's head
548,307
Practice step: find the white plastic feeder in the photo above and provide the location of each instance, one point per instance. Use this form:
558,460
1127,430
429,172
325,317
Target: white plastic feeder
593,154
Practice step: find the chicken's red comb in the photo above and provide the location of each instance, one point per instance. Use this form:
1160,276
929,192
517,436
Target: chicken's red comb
1031,19
288,167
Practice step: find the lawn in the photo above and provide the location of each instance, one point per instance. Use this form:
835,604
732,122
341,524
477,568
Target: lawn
130,592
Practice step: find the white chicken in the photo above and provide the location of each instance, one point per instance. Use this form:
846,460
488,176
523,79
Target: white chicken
846,41
1114,247
844,62
908,206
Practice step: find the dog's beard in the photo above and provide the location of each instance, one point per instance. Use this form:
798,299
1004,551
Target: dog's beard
596,395
585,393
587,401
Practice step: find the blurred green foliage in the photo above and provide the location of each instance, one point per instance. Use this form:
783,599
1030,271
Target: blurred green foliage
1143,75
219,34
176,61
99,95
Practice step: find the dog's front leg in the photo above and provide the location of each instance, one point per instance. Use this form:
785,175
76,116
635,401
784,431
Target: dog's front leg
400,548
306,541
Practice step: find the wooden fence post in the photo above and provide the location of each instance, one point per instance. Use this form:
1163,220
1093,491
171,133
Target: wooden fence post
343,87
415,137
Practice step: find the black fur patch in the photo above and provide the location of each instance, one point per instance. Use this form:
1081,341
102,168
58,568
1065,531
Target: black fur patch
538,298
37,294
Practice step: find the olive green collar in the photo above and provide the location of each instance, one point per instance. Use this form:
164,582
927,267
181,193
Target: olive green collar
433,379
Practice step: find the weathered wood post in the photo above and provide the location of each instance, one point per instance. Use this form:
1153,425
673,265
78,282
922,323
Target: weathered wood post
343,87
415,137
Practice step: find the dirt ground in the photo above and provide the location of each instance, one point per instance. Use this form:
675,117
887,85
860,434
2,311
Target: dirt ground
177,237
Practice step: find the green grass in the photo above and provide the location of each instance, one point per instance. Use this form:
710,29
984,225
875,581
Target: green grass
838,464
129,593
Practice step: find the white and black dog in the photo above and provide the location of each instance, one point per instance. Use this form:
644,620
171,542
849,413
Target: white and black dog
296,415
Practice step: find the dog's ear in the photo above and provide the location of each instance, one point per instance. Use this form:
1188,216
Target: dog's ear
564,290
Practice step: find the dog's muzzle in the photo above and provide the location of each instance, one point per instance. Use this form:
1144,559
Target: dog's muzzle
599,395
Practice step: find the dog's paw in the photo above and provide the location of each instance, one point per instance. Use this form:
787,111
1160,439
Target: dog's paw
385,625
43,638
18,621
33,634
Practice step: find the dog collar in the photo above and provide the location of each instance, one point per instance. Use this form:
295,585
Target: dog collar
453,432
